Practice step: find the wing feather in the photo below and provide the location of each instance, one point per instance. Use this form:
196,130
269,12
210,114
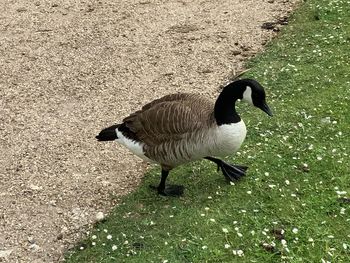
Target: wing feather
170,118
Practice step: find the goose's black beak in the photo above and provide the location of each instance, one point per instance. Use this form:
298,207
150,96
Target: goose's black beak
266,109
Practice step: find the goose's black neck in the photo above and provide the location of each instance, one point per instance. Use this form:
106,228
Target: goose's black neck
224,110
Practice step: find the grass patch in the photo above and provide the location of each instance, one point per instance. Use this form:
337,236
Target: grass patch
293,206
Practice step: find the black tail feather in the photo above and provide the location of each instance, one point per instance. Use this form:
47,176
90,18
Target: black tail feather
108,134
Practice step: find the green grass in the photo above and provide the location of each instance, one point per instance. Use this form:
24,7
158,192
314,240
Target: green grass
306,74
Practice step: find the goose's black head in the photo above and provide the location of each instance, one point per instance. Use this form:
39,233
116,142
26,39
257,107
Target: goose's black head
248,90
254,94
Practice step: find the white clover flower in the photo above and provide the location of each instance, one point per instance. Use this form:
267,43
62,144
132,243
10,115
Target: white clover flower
287,182
238,252
284,242
109,237
93,243
295,230
345,246
114,247
212,219
341,192
105,230
93,237
81,248
227,246
206,209
249,192
311,239
225,230
204,247
239,234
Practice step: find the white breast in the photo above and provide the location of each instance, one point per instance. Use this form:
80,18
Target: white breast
228,138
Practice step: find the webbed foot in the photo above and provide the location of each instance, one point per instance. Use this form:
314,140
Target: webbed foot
230,171
170,190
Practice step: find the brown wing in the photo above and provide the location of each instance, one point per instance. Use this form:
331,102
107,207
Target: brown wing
170,118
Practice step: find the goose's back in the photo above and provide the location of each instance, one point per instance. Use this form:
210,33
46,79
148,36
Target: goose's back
170,118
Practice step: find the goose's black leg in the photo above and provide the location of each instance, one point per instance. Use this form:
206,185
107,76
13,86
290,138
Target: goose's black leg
230,171
169,190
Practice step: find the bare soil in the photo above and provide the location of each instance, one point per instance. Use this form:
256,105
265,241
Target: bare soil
70,68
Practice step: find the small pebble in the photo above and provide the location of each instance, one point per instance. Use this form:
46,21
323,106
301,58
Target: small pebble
100,216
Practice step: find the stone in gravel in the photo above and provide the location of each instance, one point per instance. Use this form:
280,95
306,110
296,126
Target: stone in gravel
5,253
236,52
21,9
31,240
90,9
34,247
35,187
99,216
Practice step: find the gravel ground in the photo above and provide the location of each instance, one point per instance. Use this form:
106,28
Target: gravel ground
68,69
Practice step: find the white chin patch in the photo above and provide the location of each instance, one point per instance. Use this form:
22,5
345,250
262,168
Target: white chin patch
247,95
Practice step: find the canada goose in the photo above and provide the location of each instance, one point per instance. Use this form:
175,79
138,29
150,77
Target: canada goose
181,128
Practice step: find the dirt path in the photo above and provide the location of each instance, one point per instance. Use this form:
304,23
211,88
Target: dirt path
68,69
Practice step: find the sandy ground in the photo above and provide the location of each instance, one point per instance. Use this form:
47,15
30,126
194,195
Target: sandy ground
68,69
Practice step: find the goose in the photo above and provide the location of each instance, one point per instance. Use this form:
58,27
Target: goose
183,127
